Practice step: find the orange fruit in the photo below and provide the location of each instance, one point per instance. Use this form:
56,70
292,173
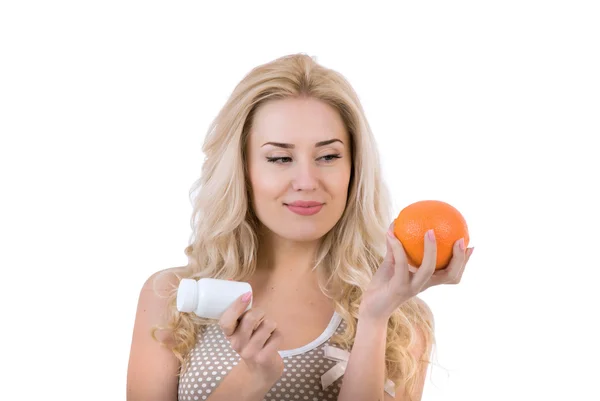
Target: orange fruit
417,218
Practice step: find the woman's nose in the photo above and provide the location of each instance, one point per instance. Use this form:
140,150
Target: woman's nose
305,177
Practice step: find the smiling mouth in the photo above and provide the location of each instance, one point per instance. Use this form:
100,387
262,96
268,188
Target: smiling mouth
304,204
305,210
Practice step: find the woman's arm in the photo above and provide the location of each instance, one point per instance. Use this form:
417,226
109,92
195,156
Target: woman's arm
152,371
364,377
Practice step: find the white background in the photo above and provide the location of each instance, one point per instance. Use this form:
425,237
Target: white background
491,106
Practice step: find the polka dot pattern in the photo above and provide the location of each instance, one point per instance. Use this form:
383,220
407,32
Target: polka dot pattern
212,358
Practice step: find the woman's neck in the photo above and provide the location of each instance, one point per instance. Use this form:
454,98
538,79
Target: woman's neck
279,256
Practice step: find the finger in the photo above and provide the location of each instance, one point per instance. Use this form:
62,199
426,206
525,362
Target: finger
427,268
461,267
469,253
272,343
260,337
389,254
250,321
229,320
401,273
385,270
453,272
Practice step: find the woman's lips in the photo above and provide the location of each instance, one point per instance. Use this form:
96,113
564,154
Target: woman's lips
304,210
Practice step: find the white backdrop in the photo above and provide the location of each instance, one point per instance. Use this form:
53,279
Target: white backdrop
490,106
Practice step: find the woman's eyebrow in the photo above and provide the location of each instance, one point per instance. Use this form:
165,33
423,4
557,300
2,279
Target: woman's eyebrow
292,146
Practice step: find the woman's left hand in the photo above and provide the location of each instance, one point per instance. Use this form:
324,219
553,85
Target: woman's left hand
395,282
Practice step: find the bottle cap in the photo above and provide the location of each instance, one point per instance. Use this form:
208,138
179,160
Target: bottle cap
187,295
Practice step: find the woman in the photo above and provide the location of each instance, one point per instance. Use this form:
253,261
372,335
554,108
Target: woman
291,200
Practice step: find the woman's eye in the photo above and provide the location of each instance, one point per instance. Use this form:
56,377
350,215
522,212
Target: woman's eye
278,159
286,159
331,158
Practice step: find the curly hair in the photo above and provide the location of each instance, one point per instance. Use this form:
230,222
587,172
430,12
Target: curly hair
224,240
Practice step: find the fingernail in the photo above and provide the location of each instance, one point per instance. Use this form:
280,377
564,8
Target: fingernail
471,253
431,235
461,244
246,297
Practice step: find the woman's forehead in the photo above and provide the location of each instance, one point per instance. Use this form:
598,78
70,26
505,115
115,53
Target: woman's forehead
297,123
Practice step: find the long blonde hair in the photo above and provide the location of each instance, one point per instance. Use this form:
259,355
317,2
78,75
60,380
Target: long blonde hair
224,240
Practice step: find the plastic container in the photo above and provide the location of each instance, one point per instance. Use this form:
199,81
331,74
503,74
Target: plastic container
209,297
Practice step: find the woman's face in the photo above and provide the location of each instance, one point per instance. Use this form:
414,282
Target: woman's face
298,151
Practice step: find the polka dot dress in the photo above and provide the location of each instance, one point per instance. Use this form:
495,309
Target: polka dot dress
212,359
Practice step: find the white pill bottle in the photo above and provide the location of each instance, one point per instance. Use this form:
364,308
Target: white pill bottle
209,297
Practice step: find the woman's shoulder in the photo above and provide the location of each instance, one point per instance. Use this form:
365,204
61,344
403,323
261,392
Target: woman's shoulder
158,288
153,301
149,381
424,310
164,280
423,305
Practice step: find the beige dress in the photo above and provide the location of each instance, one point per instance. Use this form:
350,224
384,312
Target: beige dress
313,372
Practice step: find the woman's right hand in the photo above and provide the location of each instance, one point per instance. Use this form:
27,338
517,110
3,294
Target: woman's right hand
255,338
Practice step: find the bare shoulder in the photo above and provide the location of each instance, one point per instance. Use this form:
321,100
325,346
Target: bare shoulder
425,309
152,370
164,280
153,303
421,346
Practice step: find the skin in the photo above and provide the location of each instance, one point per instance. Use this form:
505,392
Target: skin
306,172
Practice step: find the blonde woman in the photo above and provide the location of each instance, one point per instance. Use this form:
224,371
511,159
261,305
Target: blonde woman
291,200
